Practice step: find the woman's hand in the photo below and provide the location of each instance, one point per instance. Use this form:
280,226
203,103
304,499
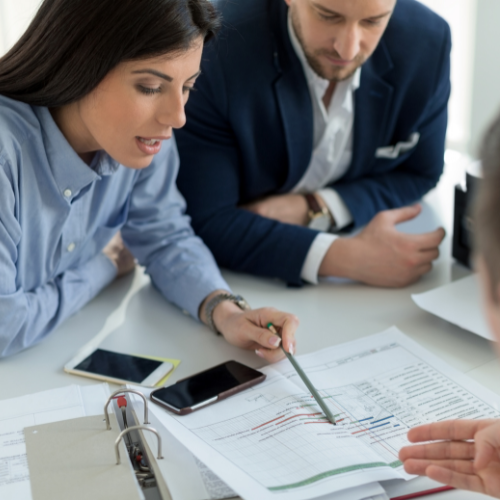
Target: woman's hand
248,329
119,255
466,456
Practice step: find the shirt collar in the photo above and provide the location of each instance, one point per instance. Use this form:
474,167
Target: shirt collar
69,170
314,80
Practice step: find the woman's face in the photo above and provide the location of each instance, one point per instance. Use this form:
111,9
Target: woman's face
137,105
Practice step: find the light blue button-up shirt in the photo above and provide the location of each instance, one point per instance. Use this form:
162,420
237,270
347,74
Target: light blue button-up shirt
57,214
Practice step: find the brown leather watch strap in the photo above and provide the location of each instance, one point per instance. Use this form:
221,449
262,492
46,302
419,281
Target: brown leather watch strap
314,206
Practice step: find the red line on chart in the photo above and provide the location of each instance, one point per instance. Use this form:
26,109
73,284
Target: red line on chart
299,415
270,421
362,430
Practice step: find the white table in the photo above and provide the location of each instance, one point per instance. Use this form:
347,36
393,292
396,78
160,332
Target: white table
131,316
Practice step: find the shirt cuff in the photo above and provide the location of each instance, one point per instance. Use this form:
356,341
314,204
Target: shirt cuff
337,207
315,256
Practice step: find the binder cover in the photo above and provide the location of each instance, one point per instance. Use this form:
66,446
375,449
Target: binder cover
76,459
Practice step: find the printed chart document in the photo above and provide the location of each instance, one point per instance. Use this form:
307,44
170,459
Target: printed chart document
188,478
273,441
458,303
41,408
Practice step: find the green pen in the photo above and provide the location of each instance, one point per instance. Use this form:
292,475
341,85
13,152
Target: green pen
305,379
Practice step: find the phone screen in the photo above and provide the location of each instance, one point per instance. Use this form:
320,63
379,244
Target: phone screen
206,385
117,365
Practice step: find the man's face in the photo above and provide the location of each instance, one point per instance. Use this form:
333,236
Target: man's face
338,36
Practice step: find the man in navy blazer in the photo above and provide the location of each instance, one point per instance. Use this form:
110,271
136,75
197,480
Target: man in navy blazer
313,115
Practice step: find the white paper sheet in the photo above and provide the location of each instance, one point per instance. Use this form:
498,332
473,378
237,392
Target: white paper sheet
188,478
262,445
43,407
459,303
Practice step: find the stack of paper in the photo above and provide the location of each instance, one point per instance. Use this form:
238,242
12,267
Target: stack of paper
48,406
459,303
270,441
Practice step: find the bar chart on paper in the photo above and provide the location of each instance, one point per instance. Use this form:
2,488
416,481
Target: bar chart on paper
377,388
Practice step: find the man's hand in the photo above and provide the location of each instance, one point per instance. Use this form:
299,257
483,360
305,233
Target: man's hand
248,329
381,255
466,456
286,208
119,255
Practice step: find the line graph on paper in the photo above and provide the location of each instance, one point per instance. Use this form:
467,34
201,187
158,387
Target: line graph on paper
284,441
291,439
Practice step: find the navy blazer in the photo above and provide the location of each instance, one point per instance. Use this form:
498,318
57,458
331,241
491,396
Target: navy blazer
249,131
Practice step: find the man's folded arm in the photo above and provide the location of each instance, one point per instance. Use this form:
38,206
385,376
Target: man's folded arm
209,179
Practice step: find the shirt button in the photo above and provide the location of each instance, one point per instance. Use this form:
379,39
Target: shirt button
67,193
71,247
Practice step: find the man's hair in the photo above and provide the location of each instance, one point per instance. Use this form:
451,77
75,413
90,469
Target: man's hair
71,45
487,207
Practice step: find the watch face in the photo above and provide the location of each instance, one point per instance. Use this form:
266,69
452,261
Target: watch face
320,223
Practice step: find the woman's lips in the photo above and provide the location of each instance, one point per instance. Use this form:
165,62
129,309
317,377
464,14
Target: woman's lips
150,145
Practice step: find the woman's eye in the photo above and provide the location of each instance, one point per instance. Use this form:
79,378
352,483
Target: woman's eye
148,90
188,89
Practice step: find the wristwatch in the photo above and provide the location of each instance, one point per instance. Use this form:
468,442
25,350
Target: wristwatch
215,301
320,218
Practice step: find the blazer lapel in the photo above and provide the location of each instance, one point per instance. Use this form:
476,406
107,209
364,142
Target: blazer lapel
293,98
372,105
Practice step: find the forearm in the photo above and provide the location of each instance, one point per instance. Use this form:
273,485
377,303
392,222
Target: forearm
369,196
186,274
27,317
338,259
246,242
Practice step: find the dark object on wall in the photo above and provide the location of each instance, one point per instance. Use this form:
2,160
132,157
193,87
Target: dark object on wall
463,224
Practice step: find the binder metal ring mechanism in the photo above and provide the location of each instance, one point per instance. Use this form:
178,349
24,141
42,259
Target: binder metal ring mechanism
82,466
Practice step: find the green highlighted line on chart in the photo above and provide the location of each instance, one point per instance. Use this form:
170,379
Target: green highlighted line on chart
330,473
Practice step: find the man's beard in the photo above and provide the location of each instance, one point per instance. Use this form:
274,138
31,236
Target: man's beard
332,73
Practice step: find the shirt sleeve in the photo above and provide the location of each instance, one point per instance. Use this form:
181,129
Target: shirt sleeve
315,256
27,316
341,214
159,234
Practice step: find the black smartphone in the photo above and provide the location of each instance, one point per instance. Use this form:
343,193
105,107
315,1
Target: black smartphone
207,387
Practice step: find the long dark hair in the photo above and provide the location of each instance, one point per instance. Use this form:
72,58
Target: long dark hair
71,45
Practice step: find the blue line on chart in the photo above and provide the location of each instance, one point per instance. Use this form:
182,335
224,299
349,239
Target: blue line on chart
381,420
381,425
369,418
397,425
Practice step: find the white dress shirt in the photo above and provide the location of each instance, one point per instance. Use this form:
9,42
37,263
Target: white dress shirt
332,152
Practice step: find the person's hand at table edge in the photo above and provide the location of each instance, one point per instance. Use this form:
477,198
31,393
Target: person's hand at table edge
464,454
248,329
380,255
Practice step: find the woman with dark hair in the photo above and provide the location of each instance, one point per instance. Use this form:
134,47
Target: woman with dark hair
88,100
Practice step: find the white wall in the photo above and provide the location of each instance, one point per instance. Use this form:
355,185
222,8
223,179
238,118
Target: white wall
15,16
461,15
486,74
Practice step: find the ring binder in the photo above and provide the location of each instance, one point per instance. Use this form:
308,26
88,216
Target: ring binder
136,427
121,391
